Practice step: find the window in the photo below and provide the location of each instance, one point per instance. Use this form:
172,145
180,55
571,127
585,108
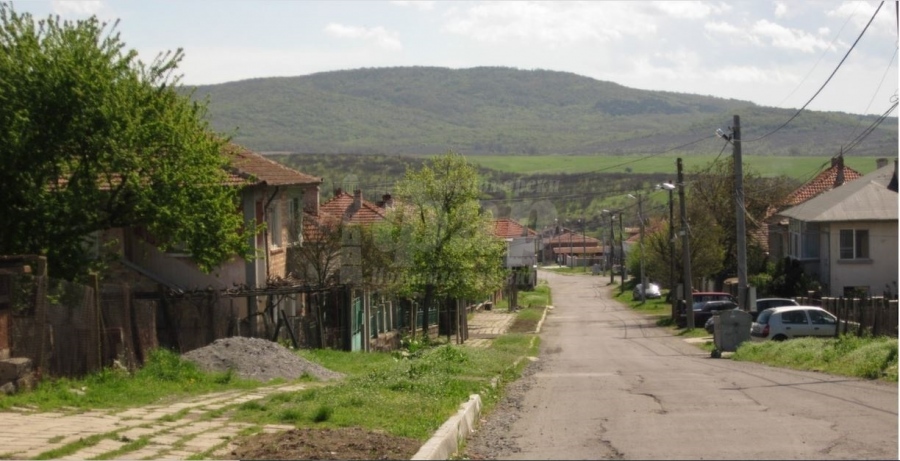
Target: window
804,240
820,318
295,217
854,244
275,225
793,317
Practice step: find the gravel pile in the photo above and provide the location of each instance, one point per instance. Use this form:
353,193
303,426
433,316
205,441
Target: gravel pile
255,358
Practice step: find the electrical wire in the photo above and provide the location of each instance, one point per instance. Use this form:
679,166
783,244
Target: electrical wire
799,111
862,136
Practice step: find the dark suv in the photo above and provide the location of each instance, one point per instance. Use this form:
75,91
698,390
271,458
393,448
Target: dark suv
704,304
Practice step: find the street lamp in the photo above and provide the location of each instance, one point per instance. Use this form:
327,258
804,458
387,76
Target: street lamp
670,188
641,218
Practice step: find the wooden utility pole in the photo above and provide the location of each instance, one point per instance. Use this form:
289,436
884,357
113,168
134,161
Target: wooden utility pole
685,252
621,255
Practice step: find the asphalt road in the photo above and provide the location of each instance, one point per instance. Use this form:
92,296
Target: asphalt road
612,385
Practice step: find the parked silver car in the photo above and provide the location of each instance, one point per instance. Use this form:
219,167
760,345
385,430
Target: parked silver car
780,323
653,291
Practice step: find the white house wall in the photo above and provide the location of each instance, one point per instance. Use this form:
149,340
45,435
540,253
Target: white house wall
879,273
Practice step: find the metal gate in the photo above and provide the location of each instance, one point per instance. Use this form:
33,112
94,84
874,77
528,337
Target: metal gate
356,324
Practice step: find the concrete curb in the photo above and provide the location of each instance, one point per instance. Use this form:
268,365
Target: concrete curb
453,433
541,322
448,438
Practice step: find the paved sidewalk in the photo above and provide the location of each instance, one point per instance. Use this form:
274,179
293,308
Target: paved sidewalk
487,325
178,431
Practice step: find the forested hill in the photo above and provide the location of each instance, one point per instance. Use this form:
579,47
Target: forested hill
490,110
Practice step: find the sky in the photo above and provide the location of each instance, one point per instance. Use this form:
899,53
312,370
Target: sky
773,53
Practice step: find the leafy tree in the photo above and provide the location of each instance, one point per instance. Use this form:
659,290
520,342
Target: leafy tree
448,246
91,138
711,193
707,255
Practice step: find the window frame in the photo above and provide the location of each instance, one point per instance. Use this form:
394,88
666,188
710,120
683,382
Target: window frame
859,246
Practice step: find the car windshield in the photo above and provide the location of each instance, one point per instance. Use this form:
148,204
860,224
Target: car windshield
763,318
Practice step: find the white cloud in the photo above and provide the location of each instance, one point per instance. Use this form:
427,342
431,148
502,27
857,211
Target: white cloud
790,39
379,35
824,31
781,10
551,23
686,10
66,8
423,5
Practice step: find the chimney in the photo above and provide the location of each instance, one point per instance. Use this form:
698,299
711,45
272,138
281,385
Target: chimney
338,191
839,178
881,163
357,199
387,201
311,200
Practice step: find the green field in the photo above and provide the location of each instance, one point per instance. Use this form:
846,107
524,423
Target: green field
795,167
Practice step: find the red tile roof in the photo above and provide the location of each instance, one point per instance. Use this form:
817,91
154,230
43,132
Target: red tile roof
824,182
507,228
342,204
250,168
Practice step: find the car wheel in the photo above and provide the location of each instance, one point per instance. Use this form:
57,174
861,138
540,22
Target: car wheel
779,338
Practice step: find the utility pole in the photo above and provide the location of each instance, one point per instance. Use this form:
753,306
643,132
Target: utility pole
685,252
643,283
739,215
621,255
612,245
583,242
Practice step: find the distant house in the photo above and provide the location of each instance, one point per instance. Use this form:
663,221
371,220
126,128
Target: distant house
847,237
571,248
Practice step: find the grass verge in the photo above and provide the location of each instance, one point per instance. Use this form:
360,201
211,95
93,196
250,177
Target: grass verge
861,357
408,396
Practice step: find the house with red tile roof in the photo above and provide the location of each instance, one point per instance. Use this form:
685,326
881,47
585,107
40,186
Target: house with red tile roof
847,237
271,194
353,209
773,233
572,248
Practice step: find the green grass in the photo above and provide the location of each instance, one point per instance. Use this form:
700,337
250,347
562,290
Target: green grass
539,297
569,270
422,390
165,377
795,167
865,357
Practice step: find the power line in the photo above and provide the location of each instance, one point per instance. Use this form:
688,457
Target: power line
799,111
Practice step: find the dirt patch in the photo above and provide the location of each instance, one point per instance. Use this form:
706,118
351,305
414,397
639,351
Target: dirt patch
255,358
340,443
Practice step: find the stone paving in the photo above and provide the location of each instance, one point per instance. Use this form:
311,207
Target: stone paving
181,430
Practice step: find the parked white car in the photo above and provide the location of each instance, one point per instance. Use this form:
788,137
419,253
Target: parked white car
780,323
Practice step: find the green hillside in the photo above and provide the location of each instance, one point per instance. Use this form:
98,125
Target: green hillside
503,111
